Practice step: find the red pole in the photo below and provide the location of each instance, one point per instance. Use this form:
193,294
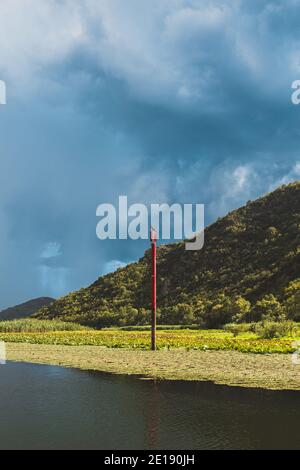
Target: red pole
153,249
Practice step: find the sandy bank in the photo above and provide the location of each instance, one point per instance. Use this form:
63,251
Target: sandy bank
274,371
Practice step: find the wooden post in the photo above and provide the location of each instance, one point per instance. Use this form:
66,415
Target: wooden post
153,238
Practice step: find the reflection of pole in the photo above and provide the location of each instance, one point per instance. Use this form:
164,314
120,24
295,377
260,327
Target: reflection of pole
153,238
152,414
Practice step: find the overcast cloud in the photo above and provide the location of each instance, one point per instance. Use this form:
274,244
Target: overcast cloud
164,101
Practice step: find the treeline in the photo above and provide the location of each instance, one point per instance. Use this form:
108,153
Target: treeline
206,314
224,310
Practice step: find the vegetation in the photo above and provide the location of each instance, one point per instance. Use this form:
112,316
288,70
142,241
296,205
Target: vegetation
269,330
38,326
203,340
159,328
247,272
266,329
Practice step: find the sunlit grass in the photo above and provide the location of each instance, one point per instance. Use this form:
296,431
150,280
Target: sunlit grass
186,339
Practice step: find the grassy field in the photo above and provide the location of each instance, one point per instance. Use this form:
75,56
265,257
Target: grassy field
202,340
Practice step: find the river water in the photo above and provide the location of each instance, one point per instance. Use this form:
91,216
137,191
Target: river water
45,407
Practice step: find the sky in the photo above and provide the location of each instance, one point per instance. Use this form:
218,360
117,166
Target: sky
164,101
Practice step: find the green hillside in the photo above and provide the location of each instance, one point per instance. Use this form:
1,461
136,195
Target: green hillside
248,270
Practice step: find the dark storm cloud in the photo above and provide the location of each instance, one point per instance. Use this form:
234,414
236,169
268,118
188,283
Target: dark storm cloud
164,101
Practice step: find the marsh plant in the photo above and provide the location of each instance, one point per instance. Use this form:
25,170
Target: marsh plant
38,326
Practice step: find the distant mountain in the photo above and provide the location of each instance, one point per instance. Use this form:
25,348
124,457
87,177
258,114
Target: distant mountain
26,309
249,269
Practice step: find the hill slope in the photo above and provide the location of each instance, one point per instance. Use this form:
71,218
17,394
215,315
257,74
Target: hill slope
249,268
26,309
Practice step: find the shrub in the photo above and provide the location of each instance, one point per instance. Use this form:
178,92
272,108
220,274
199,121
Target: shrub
237,329
270,330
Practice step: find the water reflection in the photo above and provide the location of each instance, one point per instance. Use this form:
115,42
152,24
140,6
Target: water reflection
44,407
152,415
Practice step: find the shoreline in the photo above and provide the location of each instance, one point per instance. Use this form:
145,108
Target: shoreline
231,368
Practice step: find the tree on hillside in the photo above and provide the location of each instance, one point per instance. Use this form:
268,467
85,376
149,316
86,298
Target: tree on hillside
292,300
268,309
240,309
